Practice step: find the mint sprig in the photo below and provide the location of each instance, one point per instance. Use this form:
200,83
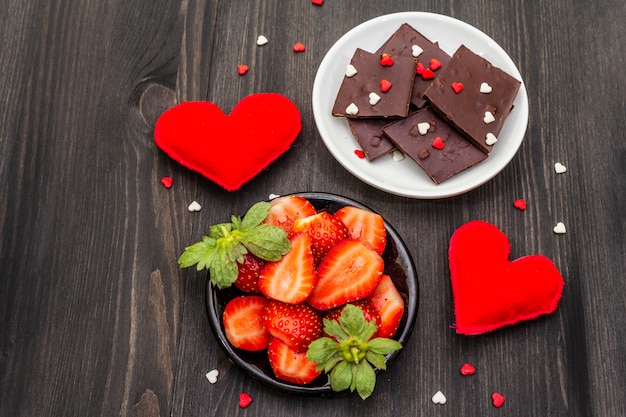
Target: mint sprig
227,243
350,354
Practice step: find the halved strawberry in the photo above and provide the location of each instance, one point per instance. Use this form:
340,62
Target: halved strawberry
350,271
291,279
364,225
295,324
324,230
284,211
369,312
243,322
248,275
389,303
289,365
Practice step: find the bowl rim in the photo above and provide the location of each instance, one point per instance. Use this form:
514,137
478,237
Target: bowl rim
411,307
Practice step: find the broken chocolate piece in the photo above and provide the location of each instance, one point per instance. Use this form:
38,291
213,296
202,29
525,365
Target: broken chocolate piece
369,134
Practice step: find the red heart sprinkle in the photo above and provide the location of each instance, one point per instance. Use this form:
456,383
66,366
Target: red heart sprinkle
167,182
317,2
385,85
419,68
386,60
497,399
435,64
468,369
299,47
438,143
242,69
359,153
457,87
244,400
428,74
520,204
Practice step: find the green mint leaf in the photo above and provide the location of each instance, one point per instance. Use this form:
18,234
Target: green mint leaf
198,253
341,377
267,242
365,380
383,345
255,215
222,270
221,230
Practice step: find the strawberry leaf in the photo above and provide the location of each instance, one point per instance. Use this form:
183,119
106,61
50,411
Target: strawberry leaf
365,380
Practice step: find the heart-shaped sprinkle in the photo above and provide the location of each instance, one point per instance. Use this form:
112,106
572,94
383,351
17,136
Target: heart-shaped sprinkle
520,204
485,88
489,117
435,64
497,400
428,74
242,69
490,139
299,47
438,143
439,398
419,68
273,196
386,60
468,369
374,98
416,50
194,206
244,400
352,109
167,182
317,2
261,40
385,85
397,156
423,127
559,229
359,153
212,376
350,71
457,87
559,168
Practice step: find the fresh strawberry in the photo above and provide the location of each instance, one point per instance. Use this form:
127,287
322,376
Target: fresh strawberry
243,322
295,324
350,271
364,225
284,211
292,279
389,303
324,230
248,275
369,312
289,365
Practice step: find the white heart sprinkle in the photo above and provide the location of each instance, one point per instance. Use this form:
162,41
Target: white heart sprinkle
194,206
374,98
261,40
352,109
416,50
397,156
489,118
212,376
490,139
423,127
559,168
439,398
350,71
273,196
559,228
485,88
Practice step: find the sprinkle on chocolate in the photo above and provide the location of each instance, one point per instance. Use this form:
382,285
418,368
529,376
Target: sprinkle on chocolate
350,70
386,60
457,87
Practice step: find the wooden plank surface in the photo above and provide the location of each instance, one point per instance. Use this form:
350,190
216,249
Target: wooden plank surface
95,316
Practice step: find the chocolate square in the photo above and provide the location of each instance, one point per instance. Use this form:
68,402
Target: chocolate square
402,43
355,90
467,109
369,134
440,164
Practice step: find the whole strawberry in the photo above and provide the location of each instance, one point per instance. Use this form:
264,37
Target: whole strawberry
295,324
248,274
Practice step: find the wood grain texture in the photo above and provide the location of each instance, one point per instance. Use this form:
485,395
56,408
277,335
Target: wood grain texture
95,316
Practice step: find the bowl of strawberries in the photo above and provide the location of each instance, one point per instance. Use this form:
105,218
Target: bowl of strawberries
309,293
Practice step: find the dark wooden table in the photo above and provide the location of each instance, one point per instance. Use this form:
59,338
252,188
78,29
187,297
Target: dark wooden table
96,319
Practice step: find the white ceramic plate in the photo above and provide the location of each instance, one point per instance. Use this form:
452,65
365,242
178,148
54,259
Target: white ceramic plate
406,178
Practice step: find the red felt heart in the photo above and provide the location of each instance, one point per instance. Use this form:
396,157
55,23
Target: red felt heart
229,149
489,290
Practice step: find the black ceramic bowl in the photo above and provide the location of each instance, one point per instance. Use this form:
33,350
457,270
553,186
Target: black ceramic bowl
398,265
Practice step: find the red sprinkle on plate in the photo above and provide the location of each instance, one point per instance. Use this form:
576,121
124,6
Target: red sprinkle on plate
359,153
